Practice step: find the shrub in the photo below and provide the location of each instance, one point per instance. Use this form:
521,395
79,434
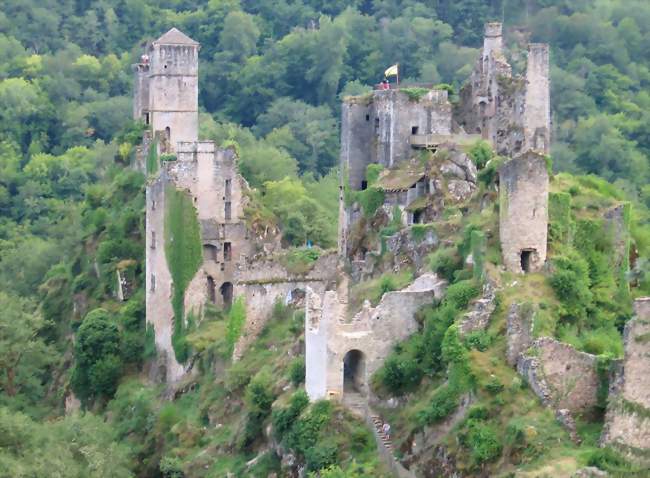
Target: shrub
443,402
480,153
482,440
400,374
461,293
494,385
610,460
297,371
284,418
445,261
479,340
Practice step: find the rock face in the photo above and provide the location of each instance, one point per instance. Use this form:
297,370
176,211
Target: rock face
627,423
520,331
482,309
561,376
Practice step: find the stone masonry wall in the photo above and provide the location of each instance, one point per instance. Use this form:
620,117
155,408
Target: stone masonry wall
173,91
562,377
537,116
523,211
373,331
627,423
159,312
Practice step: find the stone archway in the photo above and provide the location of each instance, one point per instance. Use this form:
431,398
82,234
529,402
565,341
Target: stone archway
354,372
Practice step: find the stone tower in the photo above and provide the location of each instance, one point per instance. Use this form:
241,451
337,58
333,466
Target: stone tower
173,89
523,212
512,112
537,115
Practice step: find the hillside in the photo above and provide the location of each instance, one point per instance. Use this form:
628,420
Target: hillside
84,387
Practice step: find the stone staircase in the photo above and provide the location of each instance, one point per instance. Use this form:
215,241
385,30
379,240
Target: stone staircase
384,439
358,405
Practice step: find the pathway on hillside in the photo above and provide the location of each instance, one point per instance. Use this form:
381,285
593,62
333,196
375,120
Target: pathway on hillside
358,405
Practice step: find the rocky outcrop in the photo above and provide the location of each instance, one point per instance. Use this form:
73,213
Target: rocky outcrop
456,174
627,423
519,331
561,376
479,317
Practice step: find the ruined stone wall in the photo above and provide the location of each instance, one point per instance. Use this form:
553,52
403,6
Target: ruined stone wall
627,423
512,112
398,115
159,312
373,331
378,129
562,377
537,116
140,91
173,91
357,133
523,211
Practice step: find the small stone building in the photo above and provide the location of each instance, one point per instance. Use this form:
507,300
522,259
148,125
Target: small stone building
523,212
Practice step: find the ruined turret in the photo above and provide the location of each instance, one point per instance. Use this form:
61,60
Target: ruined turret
523,212
512,112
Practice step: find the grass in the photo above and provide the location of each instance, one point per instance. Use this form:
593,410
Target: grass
300,261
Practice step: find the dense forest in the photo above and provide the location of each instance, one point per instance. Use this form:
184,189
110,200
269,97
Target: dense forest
272,75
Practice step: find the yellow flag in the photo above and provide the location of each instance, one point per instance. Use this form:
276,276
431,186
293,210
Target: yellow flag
391,71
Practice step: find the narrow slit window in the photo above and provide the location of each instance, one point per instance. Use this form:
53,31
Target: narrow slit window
228,211
227,251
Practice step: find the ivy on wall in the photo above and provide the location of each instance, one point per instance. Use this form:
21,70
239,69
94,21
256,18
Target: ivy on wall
184,256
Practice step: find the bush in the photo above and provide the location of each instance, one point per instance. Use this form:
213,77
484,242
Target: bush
445,261
444,401
284,418
461,293
478,340
480,153
482,440
400,374
611,461
297,371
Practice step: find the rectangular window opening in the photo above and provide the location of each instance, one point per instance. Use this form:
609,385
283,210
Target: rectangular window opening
367,117
414,129
228,188
227,251
364,185
227,211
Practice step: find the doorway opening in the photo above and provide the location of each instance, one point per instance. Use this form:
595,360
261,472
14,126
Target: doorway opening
212,295
226,294
354,371
526,256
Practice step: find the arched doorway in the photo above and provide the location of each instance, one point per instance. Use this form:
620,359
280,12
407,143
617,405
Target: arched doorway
226,294
354,372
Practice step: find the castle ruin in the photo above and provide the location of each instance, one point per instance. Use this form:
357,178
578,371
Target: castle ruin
394,131
197,184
